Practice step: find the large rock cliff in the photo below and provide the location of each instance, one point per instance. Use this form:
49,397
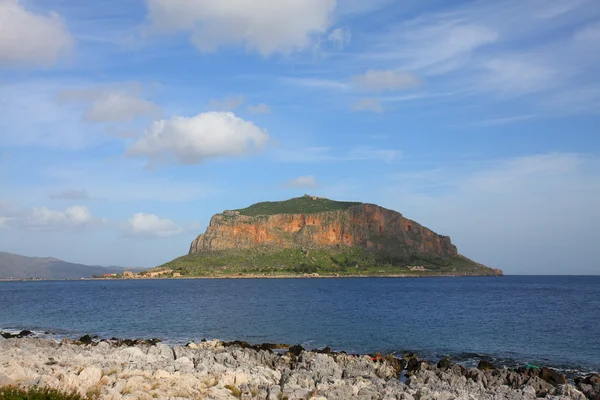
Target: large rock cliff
311,235
367,226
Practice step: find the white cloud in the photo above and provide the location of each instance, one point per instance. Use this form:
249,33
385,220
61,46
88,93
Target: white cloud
72,217
381,81
28,39
150,225
264,26
261,108
70,194
192,140
112,103
43,218
226,104
369,104
308,182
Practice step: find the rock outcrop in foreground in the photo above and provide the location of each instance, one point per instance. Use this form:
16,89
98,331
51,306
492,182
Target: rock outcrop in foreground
210,370
334,237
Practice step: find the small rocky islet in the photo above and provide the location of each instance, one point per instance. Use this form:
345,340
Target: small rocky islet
148,369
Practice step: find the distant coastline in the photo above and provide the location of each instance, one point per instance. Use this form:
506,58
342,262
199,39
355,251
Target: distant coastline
248,277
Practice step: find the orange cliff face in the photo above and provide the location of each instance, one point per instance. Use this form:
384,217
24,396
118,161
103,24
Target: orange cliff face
366,225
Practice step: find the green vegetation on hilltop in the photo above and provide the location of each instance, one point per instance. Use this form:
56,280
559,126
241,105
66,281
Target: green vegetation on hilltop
350,261
299,205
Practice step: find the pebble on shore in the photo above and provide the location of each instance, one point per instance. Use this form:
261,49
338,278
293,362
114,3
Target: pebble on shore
217,370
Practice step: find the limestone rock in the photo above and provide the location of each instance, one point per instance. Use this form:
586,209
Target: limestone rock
214,371
362,225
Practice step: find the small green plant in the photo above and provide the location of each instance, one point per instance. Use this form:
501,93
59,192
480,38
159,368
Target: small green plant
36,393
234,390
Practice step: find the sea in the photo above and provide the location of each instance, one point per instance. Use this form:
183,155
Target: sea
512,320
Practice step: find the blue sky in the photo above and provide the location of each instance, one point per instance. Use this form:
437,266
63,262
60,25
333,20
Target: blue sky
125,125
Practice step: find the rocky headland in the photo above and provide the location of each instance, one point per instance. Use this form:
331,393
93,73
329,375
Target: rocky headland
121,369
312,235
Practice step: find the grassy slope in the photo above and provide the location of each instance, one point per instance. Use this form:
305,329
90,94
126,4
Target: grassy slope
298,205
339,261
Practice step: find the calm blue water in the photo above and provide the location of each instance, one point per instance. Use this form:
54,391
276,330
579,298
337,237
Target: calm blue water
547,320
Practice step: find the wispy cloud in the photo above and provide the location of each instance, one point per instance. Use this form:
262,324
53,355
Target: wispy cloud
340,37
302,182
327,154
29,112
112,103
503,120
508,49
435,44
509,210
515,77
70,194
386,81
589,35
368,104
261,108
367,153
226,104
316,83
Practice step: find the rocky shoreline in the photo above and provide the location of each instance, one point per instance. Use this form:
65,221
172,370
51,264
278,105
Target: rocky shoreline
147,369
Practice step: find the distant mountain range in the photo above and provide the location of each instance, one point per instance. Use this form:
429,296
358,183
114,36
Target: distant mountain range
16,266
